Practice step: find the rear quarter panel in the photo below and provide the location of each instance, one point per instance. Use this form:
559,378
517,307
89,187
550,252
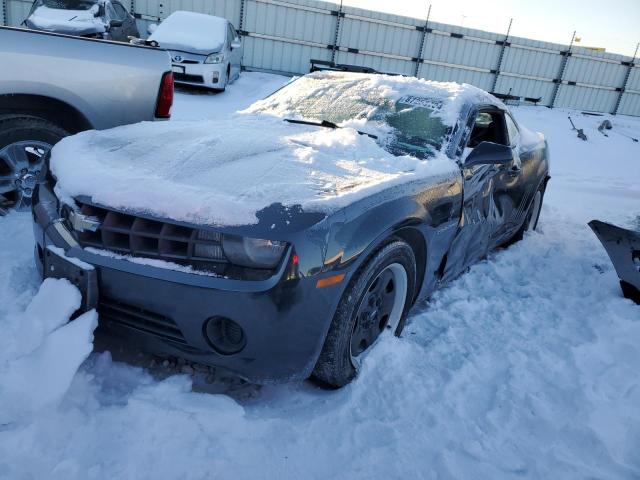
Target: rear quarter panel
109,83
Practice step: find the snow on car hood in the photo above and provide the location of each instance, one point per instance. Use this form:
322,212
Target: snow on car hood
223,172
191,32
67,21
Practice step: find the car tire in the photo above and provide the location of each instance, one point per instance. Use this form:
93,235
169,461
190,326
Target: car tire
531,219
389,275
32,135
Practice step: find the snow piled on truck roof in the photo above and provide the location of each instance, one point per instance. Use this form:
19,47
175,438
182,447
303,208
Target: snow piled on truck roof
223,172
192,32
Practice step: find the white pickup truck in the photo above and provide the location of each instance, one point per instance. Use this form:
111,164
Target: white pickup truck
55,85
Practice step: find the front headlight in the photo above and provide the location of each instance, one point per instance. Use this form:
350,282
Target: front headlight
253,252
215,58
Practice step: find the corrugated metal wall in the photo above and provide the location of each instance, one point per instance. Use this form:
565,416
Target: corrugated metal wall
283,36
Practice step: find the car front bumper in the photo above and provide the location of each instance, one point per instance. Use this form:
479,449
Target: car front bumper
284,319
210,75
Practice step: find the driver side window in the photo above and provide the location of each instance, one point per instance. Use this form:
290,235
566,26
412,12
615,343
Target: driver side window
489,126
121,13
231,33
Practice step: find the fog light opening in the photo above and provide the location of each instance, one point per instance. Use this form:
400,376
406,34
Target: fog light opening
224,335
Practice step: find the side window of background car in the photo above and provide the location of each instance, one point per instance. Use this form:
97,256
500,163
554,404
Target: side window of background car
488,127
121,13
111,13
512,130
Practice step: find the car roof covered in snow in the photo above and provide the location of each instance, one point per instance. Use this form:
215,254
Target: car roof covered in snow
191,32
446,99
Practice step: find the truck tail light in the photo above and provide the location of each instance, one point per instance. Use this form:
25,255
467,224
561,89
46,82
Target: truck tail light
165,96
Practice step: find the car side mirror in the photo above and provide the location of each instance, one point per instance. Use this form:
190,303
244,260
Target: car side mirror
115,23
236,44
489,153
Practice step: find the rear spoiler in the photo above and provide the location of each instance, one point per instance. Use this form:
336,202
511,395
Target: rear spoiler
508,97
623,248
324,65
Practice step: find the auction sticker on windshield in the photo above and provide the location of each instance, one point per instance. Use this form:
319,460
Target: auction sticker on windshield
420,102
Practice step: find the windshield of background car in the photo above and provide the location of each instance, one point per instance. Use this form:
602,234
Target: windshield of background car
407,125
66,4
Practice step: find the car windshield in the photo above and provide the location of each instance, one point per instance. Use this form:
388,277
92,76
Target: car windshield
67,4
407,125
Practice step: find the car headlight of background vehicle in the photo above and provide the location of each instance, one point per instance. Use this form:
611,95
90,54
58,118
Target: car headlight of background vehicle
253,252
215,58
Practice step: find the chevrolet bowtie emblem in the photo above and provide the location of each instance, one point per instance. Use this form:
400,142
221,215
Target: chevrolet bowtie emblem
83,223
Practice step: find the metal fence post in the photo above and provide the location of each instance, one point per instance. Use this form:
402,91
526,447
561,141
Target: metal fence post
241,22
563,65
504,44
423,38
339,15
626,80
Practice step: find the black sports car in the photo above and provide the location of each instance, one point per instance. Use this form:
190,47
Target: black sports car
283,241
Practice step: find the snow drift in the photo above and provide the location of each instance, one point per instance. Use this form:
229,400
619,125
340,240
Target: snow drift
40,352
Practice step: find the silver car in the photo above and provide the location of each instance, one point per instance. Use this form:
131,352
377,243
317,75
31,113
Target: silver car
205,50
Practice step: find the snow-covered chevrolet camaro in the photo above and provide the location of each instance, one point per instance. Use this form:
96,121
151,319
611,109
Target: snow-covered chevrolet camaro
281,242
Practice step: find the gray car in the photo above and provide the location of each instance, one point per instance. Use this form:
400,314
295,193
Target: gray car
54,85
106,19
330,262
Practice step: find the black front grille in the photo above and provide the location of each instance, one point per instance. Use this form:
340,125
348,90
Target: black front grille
187,77
110,310
137,236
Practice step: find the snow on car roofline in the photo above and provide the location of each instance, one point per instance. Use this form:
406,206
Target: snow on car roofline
192,32
453,96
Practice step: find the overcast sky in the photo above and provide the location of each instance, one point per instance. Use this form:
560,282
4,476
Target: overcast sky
613,24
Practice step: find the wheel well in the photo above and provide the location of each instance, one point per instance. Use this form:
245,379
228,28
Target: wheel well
416,241
51,109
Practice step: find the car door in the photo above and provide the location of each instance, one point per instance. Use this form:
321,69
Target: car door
116,31
478,217
234,53
513,188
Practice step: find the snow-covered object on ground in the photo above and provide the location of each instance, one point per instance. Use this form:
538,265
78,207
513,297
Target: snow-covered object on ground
209,173
191,32
68,21
40,352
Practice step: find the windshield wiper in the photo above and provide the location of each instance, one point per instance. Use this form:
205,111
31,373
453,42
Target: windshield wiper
326,124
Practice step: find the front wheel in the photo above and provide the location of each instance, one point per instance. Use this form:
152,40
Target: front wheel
377,300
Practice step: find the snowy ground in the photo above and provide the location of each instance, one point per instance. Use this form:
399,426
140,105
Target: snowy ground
525,367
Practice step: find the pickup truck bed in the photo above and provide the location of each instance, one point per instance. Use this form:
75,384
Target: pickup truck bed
54,85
